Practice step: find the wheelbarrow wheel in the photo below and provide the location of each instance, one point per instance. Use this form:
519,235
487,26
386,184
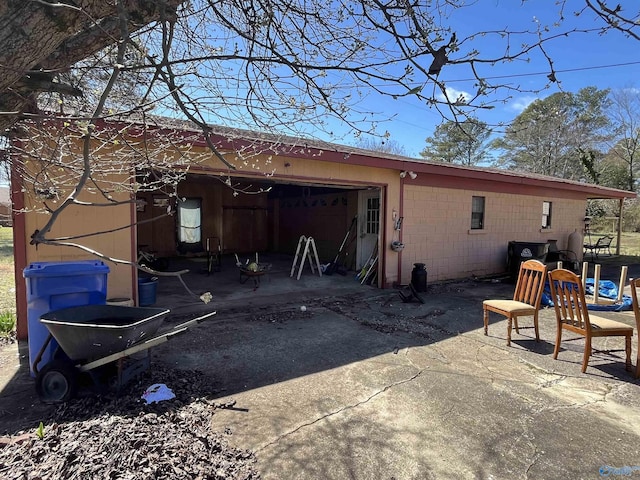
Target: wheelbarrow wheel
56,382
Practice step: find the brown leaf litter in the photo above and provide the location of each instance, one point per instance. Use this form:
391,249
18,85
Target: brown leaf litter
121,437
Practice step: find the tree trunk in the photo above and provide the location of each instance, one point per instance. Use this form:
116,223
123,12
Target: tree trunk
41,38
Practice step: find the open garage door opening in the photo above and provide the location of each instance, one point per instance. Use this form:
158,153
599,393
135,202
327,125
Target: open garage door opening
265,218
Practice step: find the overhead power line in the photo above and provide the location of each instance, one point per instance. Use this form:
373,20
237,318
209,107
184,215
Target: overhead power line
564,70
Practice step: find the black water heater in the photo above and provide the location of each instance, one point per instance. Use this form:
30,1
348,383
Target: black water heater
419,277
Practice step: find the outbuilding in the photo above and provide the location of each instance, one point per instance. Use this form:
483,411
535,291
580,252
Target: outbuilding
263,192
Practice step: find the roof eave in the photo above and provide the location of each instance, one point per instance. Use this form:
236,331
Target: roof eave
331,152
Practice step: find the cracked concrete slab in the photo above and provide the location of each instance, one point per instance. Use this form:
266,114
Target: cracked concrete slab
329,396
362,386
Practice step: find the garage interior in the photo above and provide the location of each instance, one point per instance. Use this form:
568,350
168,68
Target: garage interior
259,216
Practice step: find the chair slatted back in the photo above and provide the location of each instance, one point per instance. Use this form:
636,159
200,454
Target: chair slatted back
604,242
530,283
635,284
568,299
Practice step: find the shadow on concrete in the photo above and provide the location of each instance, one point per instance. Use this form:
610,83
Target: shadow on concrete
20,407
260,335
247,352
543,347
229,287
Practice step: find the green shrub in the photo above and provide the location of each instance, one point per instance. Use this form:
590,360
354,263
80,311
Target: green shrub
7,323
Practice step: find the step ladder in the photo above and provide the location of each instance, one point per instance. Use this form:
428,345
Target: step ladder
309,253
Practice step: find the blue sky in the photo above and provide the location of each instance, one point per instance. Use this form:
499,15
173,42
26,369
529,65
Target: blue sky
581,60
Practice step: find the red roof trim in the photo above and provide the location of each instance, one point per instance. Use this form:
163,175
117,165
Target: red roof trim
238,140
424,168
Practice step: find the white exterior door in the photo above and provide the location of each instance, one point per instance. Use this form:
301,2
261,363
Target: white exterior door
368,224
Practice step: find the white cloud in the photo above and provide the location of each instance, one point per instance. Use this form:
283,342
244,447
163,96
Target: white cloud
455,96
519,104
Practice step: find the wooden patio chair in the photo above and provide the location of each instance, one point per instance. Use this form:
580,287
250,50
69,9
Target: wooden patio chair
526,298
572,314
634,284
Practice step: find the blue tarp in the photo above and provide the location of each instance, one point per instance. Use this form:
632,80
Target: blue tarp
606,289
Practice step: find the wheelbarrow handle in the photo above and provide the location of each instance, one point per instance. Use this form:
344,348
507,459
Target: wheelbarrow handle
194,321
138,347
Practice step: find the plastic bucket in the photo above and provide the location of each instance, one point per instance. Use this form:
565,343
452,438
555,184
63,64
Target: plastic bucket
147,288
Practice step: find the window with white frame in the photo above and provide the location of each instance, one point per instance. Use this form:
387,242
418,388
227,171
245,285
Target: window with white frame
477,213
373,215
546,214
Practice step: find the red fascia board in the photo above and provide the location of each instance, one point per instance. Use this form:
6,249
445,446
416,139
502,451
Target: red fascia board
484,185
508,182
331,154
445,175
513,183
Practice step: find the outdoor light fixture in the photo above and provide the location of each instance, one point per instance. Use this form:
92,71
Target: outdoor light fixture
404,173
413,175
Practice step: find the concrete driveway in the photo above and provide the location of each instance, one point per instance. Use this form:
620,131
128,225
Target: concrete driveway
363,386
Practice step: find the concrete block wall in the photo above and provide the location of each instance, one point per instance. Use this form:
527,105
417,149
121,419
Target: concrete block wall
437,229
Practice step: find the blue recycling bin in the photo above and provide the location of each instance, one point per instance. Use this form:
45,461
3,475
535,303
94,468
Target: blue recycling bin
55,285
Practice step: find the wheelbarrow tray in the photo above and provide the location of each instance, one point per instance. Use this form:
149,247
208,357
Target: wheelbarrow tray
94,331
259,269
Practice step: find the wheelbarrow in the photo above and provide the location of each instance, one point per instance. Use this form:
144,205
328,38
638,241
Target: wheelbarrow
252,270
93,336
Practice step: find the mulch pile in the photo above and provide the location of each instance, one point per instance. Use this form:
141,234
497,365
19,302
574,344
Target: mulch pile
121,437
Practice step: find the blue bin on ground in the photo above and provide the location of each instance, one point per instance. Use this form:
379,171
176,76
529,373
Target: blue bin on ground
56,285
147,288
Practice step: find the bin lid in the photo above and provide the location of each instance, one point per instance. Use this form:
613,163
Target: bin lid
58,269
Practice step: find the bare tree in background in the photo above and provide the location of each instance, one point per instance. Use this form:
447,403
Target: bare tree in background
383,145
623,155
266,64
277,67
